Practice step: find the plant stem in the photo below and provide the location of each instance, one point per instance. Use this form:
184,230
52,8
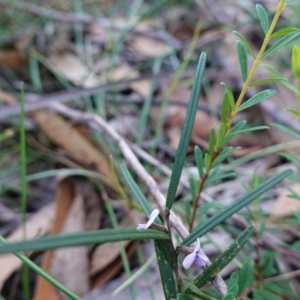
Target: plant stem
246,85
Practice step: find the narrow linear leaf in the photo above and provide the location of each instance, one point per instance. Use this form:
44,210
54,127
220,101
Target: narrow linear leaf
268,80
263,17
199,160
261,96
284,31
285,81
250,129
287,130
243,59
212,141
293,111
221,135
223,155
234,207
246,44
283,41
186,132
229,95
225,258
165,259
137,193
226,109
83,238
207,161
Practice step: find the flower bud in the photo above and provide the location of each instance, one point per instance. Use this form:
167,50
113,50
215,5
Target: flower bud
296,61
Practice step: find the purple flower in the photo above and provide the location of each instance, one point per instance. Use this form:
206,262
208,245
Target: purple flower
195,258
152,217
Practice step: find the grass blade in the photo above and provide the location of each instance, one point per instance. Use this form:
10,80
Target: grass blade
243,60
83,238
263,17
257,99
137,193
224,258
186,132
281,43
234,207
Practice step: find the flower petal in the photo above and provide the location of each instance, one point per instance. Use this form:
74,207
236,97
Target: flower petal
199,261
198,246
188,261
142,226
154,214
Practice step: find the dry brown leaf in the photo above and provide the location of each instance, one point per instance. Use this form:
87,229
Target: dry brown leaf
65,135
149,47
65,194
285,205
69,66
12,59
105,254
110,271
38,225
72,260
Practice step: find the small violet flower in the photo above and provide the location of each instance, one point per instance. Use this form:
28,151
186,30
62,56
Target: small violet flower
152,217
195,257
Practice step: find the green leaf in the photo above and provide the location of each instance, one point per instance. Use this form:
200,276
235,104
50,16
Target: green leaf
137,194
243,59
221,135
216,175
261,96
226,109
212,141
83,238
246,130
193,186
234,278
285,82
195,291
199,160
223,155
283,41
228,211
186,132
225,258
245,43
183,297
268,80
228,296
233,289
266,295
293,111
263,17
287,130
234,131
166,262
229,95
246,276
284,31
207,161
